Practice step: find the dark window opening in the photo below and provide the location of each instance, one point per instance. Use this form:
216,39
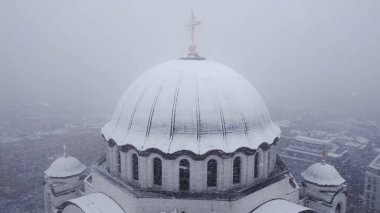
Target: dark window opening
184,175
135,167
118,161
256,172
211,173
292,183
269,159
236,170
338,208
157,171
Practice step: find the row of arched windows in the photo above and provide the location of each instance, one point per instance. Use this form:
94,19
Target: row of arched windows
184,171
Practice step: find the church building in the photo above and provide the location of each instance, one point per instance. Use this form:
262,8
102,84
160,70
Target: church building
190,135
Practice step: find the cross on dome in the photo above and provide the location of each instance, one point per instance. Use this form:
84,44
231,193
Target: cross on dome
324,154
64,151
192,47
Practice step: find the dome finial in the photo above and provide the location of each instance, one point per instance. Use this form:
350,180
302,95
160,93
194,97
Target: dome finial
64,151
193,47
324,154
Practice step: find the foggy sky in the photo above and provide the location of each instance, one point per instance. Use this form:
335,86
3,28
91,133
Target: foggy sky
85,53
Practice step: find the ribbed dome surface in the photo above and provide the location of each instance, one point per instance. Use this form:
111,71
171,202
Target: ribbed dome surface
323,174
65,167
194,105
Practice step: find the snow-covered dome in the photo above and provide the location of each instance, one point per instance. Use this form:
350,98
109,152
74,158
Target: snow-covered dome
65,166
194,105
323,174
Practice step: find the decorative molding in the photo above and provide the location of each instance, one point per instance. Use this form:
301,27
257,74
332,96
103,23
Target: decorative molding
171,156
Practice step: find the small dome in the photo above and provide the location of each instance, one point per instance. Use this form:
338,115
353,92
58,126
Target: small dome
92,203
194,105
65,167
323,174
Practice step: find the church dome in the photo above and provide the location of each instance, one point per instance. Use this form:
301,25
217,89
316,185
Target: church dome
323,174
193,105
65,166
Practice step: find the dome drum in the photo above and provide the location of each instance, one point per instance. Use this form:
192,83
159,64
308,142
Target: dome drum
228,174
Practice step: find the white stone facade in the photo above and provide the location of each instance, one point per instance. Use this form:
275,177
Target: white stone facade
329,199
372,186
141,202
198,169
59,190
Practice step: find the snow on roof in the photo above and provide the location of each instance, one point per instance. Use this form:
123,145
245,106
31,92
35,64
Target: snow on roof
375,163
282,206
96,203
362,139
311,140
323,174
283,123
195,105
65,167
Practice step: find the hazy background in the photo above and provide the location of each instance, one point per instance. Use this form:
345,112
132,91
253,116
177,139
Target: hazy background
65,63
80,55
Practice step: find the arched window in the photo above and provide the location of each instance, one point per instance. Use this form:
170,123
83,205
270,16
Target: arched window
236,175
269,160
157,171
184,175
135,167
338,208
257,165
211,172
118,161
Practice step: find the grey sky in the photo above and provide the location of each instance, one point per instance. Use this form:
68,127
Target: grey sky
300,52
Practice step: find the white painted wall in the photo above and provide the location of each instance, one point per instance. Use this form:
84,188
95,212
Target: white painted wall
59,185
131,204
198,170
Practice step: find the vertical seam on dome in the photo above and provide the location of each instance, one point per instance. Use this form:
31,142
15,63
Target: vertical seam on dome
135,108
198,113
245,123
174,108
152,112
122,109
222,121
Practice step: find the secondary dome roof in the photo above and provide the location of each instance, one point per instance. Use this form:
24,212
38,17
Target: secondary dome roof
323,174
65,167
194,105
92,203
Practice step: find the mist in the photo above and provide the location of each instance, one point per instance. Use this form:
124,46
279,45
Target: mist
81,55
65,64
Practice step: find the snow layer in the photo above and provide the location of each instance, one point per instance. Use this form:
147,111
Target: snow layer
375,163
323,174
65,167
282,206
195,105
97,203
